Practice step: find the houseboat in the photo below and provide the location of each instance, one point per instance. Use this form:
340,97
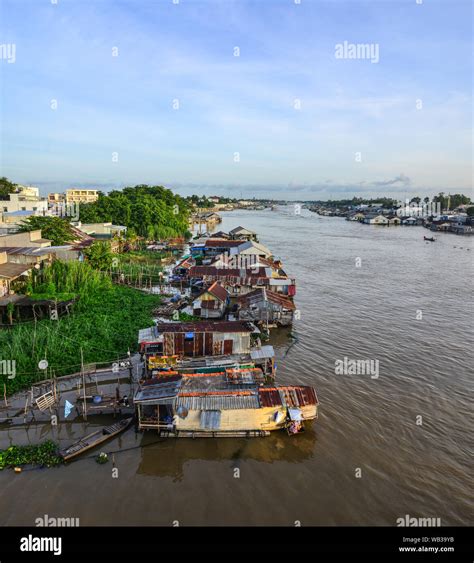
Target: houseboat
235,403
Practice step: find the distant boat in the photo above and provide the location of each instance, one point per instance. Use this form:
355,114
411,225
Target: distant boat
430,239
94,439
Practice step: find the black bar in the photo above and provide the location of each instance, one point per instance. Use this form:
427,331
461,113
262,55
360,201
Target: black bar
379,544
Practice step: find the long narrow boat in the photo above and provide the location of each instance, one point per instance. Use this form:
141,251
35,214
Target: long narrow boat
94,439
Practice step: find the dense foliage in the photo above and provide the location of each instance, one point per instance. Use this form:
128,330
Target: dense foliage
153,212
452,200
6,188
56,229
105,324
99,255
42,455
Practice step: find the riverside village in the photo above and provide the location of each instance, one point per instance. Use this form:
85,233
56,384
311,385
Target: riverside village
135,307
160,328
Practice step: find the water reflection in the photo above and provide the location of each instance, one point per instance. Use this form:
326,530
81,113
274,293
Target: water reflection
167,457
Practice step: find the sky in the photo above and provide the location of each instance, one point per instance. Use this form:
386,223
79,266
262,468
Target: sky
244,98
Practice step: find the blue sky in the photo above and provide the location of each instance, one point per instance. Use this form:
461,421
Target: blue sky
247,104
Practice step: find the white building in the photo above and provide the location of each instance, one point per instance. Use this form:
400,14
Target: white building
26,198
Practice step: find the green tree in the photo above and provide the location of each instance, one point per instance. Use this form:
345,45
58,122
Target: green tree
151,211
6,188
99,255
56,229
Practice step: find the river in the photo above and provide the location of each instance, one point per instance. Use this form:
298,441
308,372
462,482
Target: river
394,442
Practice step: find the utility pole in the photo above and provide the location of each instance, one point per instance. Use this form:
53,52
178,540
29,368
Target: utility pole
84,407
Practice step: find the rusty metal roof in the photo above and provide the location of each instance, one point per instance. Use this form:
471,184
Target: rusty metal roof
269,397
206,326
298,396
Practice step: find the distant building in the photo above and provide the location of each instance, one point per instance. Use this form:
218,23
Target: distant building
26,198
375,219
241,233
81,196
55,198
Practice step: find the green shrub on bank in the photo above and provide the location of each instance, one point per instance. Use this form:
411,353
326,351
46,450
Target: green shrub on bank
105,322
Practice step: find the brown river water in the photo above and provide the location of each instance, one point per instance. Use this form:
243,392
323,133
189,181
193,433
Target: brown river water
368,426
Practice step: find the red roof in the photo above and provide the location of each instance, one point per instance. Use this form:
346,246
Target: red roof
222,243
218,291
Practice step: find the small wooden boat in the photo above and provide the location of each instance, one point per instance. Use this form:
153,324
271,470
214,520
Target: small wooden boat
430,239
94,439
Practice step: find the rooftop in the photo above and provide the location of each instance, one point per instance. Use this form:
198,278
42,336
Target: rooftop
11,271
206,326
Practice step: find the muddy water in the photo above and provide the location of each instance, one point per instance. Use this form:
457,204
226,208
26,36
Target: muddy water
366,422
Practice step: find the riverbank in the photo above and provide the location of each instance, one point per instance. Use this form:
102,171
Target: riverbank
103,326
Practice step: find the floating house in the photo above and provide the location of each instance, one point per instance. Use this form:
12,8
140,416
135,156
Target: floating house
375,219
160,366
211,303
241,233
232,404
250,248
265,306
198,338
213,247
239,281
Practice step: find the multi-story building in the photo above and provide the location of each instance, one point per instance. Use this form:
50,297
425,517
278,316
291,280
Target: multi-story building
26,198
82,196
56,198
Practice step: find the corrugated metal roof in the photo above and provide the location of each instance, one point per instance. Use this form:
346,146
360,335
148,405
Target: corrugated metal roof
216,243
298,396
262,353
150,393
147,334
211,420
228,402
269,397
206,326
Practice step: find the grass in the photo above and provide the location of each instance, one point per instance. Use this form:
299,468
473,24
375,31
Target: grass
104,324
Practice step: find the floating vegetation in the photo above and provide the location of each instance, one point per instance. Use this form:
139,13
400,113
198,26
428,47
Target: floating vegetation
41,455
102,458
